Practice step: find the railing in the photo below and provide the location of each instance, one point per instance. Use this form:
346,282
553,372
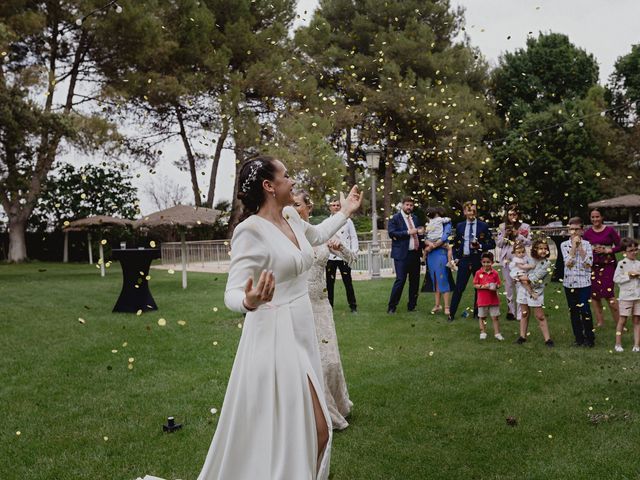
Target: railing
214,254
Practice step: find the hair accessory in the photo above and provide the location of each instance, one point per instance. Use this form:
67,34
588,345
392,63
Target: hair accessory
253,174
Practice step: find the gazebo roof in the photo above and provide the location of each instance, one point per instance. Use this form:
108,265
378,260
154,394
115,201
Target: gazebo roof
96,221
180,216
625,201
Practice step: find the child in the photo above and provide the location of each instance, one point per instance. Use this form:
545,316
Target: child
518,268
539,276
578,258
487,282
433,232
627,276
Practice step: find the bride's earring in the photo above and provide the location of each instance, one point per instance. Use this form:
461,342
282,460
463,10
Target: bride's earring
274,194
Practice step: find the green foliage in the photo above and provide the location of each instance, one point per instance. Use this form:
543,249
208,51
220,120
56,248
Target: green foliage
624,92
72,193
548,71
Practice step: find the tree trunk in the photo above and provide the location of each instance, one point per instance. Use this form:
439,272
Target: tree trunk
388,185
17,240
216,161
190,158
236,205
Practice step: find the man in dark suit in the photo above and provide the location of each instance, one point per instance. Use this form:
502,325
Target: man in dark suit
472,239
404,230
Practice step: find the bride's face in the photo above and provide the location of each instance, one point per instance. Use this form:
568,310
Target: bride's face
282,185
302,208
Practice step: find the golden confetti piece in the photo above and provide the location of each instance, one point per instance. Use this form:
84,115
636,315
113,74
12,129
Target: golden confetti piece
152,244
431,354
148,277
103,241
18,433
82,321
105,438
139,312
171,271
182,323
370,348
131,359
618,334
114,351
130,366
215,343
66,223
240,325
124,344
590,408
215,309
162,322
550,436
214,411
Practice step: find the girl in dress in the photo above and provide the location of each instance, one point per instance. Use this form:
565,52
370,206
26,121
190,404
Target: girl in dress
335,386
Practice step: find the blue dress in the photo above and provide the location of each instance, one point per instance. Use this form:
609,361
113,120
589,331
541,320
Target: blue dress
437,269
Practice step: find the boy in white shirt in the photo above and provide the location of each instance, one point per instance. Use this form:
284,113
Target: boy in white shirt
627,276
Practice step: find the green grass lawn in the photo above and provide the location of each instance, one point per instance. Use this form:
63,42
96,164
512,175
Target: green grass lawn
431,400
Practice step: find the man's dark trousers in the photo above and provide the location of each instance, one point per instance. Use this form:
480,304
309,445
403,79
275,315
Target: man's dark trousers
409,266
345,273
467,267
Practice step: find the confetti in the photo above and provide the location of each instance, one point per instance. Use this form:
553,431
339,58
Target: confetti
162,322
114,351
131,359
82,321
240,325
214,411
139,312
18,433
182,323
215,342
171,271
152,244
105,438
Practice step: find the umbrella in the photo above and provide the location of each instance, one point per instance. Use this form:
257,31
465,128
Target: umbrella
182,217
87,224
630,202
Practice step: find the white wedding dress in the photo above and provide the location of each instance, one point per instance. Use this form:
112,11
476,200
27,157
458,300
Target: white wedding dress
266,429
335,386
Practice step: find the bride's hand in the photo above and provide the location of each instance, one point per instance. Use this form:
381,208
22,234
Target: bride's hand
352,202
261,293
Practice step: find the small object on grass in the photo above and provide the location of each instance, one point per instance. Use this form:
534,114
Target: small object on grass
512,421
171,425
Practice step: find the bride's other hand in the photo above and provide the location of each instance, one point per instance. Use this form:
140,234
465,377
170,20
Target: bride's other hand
334,244
262,292
352,202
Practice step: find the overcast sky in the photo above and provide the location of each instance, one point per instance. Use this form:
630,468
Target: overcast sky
606,28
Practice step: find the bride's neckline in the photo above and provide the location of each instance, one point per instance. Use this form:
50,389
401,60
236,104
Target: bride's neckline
296,243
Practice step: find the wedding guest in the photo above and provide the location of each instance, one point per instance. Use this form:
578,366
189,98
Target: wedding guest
404,229
472,239
335,386
487,282
605,242
438,278
538,277
510,231
578,259
627,276
349,238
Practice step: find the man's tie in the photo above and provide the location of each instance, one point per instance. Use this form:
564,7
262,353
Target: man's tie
414,237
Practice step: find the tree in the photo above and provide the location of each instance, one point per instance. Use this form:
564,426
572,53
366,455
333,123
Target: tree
45,55
392,72
624,88
70,193
548,71
165,193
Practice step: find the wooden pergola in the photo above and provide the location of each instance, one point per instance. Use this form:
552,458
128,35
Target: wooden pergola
630,202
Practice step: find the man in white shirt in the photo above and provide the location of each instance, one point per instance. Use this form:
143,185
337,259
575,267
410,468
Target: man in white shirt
578,259
349,239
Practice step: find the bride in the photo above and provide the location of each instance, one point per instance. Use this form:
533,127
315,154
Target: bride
274,423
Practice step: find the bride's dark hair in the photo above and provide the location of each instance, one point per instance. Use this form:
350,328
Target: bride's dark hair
252,173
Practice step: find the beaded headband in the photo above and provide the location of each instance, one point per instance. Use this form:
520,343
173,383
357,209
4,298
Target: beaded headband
253,174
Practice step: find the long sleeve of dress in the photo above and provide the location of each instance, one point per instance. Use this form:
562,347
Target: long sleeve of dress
317,234
354,246
346,254
249,256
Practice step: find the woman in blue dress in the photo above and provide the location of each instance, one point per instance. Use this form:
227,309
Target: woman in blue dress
438,277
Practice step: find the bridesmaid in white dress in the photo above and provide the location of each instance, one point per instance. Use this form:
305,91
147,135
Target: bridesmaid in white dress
335,386
274,423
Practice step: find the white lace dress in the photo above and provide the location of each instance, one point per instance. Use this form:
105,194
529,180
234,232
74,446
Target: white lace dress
335,387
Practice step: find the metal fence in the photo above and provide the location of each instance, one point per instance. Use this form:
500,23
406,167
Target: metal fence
214,254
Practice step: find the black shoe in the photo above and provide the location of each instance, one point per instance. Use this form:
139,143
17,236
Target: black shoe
520,340
577,344
391,311
354,310
511,317
412,310
549,343
450,318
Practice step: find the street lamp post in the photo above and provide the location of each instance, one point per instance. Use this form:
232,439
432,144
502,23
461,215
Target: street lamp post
373,162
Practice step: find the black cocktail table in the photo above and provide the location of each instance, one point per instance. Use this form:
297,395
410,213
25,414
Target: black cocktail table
135,294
